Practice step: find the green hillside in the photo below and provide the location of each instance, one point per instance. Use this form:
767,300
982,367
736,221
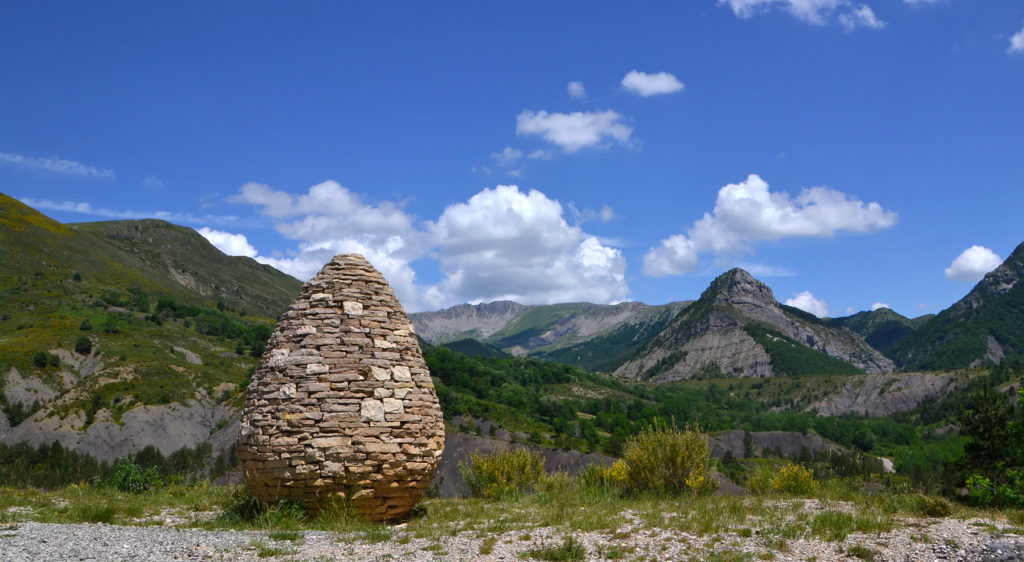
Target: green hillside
535,322
881,328
792,358
474,348
156,311
177,255
984,326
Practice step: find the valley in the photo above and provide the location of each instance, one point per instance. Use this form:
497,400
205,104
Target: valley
133,341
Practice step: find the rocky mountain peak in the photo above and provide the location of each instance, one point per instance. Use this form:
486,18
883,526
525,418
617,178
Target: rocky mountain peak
1008,274
735,329
995,283
737,286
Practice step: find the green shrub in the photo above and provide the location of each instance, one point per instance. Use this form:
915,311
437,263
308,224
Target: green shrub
794,479
570,549
929,506
83,345
130,477
502,473
760,482
862,552
667,460
96,513
241,507
40,360
599,476
832,526
1008,491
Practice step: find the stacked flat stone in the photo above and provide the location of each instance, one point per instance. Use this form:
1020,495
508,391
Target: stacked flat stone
342,405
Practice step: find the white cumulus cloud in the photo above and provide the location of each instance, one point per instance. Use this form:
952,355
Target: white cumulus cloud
972,264
577,91
230,244
748,211
504,244
56,165
330,219
814,12
499,244
573,131
1016,43
677,255
806,301
647,85
878,305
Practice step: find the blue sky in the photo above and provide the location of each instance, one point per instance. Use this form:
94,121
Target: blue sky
850,154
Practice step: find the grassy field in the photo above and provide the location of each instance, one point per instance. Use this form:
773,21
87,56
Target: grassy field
559,506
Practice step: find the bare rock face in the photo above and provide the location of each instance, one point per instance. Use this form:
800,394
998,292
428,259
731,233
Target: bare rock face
878,396
709,337
342,405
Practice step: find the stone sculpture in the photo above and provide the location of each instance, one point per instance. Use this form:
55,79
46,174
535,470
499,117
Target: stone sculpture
342,405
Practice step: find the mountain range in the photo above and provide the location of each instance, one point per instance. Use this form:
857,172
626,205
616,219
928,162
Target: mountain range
738,328
119,334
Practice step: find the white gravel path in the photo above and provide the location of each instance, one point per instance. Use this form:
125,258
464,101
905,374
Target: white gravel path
918,539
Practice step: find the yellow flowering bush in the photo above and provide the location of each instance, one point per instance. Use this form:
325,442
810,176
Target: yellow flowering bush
502,473
669,460
617,472
794,479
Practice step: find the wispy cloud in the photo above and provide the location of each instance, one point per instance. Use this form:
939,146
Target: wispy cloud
765,270
577,91
88,209
507,156
604,214
814,12
1016,43
56,165
863,16
153,182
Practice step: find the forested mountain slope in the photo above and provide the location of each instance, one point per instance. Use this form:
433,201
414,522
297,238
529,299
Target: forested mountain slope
985,326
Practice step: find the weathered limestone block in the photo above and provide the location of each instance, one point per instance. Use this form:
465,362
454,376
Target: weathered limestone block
338,397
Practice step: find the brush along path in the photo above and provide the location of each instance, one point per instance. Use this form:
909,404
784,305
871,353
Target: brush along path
637,537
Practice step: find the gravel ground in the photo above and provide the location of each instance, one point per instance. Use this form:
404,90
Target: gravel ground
915,539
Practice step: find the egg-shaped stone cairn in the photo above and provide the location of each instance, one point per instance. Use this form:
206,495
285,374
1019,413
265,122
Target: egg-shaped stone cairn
341,405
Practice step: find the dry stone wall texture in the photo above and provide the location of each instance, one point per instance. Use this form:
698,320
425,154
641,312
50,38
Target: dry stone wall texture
342,404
